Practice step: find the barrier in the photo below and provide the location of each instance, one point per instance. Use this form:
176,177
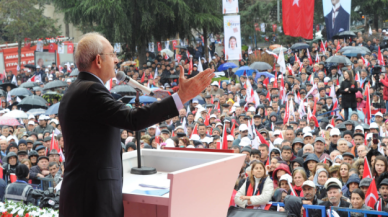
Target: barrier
365,212
307,207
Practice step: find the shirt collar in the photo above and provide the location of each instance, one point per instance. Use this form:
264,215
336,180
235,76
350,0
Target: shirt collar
336,6
97,78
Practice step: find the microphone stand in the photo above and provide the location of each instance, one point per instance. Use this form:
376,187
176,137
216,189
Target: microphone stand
139,170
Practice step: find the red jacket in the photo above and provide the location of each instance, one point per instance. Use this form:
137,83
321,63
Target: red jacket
275,178
385,91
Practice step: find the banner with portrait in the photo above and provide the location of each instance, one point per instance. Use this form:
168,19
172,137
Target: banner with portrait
232,37
229,6
337,16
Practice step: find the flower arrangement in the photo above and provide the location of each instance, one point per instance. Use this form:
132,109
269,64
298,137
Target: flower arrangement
19,209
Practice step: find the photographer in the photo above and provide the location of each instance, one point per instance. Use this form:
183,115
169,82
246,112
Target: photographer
20,190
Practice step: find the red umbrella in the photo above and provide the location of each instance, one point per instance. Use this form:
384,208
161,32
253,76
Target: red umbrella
9,121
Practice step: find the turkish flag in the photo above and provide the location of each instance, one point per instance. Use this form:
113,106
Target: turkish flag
70,48
380,58
195,131
367,173
298,18
224,139
178,57
338,47
174,43
52,48
159,46
371,195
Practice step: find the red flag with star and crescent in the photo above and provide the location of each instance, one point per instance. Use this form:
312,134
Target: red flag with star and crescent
298,18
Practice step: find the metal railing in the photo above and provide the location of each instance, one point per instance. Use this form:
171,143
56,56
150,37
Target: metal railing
306,207
364,211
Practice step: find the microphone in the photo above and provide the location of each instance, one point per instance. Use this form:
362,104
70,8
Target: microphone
120,76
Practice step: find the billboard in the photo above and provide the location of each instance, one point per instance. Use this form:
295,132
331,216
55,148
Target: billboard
337,16
45,58
232,38
229,6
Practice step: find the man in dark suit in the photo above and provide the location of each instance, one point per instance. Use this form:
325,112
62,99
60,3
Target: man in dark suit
337,20
91,121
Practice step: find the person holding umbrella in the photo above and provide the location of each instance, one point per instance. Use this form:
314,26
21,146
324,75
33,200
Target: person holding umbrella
348,91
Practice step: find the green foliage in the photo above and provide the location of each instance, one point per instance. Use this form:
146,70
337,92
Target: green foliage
20,19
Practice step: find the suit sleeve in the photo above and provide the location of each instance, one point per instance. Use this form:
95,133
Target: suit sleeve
105,109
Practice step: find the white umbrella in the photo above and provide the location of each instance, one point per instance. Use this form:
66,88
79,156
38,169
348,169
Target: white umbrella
16,114
168,52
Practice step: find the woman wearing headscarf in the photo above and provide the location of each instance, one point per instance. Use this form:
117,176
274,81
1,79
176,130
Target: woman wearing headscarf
320,179
278,196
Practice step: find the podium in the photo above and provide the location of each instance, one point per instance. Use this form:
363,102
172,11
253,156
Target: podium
201,183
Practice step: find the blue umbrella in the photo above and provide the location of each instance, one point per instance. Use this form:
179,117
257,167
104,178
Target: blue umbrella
243,69
266,74
144,99
226,66
53,110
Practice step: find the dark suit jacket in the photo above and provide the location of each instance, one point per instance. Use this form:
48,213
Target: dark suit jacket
341,22
91,121
343,203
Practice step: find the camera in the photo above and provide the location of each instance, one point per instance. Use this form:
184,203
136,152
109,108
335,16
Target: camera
376,70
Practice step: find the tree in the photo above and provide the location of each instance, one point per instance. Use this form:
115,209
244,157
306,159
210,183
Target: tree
20,19
374,8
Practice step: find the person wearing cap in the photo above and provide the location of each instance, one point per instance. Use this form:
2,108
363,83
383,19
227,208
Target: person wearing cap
352,184
310,198
43,126
10,165
257,191
55,172
348,158
383,192
40,170
319,148
54,156
33,157
365,183
335,134
20,191
216,90
22,155
334,194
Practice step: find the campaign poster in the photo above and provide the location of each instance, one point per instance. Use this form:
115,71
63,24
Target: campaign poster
232,38
229,6
337,16
44,59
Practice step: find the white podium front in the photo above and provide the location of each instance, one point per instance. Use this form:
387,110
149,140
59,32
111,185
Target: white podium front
201,183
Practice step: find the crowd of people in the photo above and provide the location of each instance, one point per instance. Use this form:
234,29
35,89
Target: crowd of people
305,131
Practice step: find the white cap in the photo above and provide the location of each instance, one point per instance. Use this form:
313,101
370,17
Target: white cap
271,80
38,67
219,124
307,135
309,183
306,130
11,137
195,137
31,117
170,143
46,70
369,136
335,132
359,127
333,180
42,118
379,114
190,146
243,127
153,126
252,109
245,142
114,79
277,132
331,126
72,64
286,177
195,101
213,58
180,127
31,123
326,79
278,141
213,116
54,120
68,80
374,126
229,138
215,83
50,79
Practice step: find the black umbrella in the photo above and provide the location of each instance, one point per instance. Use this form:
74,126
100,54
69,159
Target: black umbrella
55,84
172,76
181,47
29,84
32,102
21,91
339,59
123,89
344,34
30,66
299,46
4,85
261,66
75,72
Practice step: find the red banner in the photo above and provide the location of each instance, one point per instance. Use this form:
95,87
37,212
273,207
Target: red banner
174,43
70,48
52,47
159,46
298,18
274,26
